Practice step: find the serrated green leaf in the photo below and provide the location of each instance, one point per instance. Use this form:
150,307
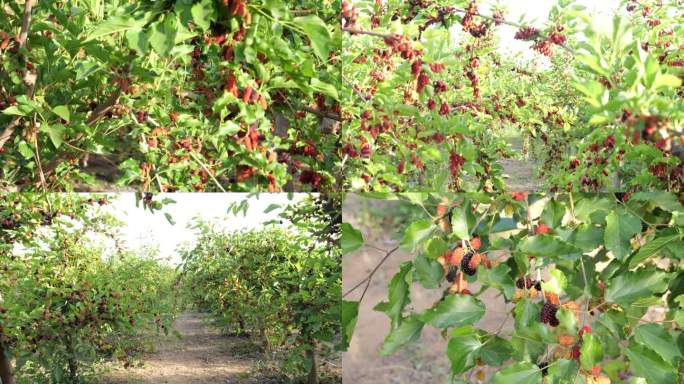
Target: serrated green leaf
407,332
416,233
518,373
318,33
454,311
621,226
203,13
352,239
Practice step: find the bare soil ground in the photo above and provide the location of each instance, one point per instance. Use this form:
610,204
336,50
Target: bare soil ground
520,173
201,356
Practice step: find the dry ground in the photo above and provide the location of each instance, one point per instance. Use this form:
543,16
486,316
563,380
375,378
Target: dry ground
202,356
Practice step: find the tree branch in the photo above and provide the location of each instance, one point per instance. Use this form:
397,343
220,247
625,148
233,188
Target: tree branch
329,115
368,278
362,32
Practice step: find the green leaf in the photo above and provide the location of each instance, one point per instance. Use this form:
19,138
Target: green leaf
352,239
646,363
459,223
169,218
553,213
567,320
557,283
621,226
563,371
398,294
657,338
547,246
318,33
499,278
203,13
324,88
62,111
587,237
454,311
14,110
591,352
162,35
518,373
416,233
667,81
496,351
627,288
407,332
25,150
435,248
526,313
114,25
350,314
665,200
137,39
55,132
462,349
428,272
651,248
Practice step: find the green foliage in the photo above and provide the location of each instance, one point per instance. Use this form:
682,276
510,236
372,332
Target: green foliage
433,97
589,321
200,95
67,304
281,286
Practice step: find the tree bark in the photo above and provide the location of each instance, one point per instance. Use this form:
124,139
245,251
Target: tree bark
6,374
262,334
71,359
311,355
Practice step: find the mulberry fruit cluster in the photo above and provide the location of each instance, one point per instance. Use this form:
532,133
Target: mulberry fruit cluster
548,314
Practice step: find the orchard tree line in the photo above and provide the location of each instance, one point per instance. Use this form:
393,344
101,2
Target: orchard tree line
281,287
66,303
592,285
75,301
429,97
182,95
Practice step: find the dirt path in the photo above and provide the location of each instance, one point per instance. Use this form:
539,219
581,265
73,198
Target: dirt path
520,173
202,356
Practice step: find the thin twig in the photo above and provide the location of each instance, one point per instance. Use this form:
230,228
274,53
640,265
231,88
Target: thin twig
194,156
368,278
328,115
369,33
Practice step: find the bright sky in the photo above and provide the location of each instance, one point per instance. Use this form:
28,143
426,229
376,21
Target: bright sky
535,12
143,228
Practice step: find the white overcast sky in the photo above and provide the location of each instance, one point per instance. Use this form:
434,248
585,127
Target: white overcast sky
143,228
535,12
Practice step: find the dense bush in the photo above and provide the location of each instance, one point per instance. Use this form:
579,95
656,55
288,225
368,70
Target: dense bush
169,95
281,286
431,98
66,303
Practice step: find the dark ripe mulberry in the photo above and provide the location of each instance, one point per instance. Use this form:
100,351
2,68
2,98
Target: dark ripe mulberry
451,275
465,264
548,314
544,367
537,285
524,283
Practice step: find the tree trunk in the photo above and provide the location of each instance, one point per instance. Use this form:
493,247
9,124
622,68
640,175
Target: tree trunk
262,334
311,355
6,375
71,359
